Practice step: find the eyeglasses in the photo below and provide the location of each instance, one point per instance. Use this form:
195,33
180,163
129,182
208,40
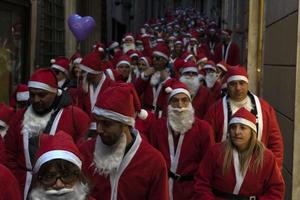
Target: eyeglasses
50,179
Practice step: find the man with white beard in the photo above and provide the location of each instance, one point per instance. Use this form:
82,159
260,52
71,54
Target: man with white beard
50,110
183,140
189,75
118,162
212,81
128,42
152,79
57,170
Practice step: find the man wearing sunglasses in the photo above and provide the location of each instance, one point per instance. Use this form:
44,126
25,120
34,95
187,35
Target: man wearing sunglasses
57,170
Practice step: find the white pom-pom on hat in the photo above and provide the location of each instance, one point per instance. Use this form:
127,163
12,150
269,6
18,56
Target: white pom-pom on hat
168,89
143,114
100,49
52,60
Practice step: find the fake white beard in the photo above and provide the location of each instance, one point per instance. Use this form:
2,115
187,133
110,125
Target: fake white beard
78,192
85,84
128,46
136,71
192,49
193,83
60,83
34,124
211,79
107,159
155,78
181,119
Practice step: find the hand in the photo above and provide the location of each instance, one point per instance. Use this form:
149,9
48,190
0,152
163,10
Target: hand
149,71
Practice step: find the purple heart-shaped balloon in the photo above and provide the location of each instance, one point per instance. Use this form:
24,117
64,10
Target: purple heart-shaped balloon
81,26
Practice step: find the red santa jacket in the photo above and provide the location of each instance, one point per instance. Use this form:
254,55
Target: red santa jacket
144,174
72,120
85,99
2,151
196,142
201,102
9,188
215,92
266,183
231,55
269,131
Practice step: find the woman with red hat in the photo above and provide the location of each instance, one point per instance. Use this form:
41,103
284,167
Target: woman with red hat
241,167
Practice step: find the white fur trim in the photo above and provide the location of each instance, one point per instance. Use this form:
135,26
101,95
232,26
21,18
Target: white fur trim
2,123
43,86
57,154
143,114
189,69
52,61
159,53
88,70
93,126
134,54
110,74
114,116
100,49
188,57
168,90
237,78
145,60
60,68
128,36
209,66
222,67
202,60
122,62
77,60
239,120
22,96
178,42
179,90
113,45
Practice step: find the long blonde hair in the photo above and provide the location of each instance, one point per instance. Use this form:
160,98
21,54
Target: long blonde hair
255,149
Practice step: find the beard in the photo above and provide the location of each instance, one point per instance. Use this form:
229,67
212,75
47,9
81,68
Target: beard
211,79
155,78
78,192
181,119
34,124
128,46
107,159
193,83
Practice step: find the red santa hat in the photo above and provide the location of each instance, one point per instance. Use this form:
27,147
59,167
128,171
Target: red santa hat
194,36
76,58
189,66
243,116
133,53
201,58
112,45
113,74
123,60
98,46
173,87
138,38
44,79
91,63
210,65
22,93
147,60
162,51
227,32
178,42
128,36
223,65
121,103
237,73
61,63
6,113
58,146
186,56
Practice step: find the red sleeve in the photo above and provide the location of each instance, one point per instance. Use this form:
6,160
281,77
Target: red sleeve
274,185
147,49
275,141
218,53
207,137
235,57
9,188
81,124
140,85
212,118
2,152
203,187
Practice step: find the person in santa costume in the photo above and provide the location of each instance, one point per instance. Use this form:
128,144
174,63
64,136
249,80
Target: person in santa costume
238,95
20,97
9,189
118,162
189,75
49,112
182,138
227,50
151,81
128,42
240,167
57,170
94,81
123,66
212,81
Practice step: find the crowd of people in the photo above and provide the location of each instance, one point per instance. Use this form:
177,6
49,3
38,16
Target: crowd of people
164,114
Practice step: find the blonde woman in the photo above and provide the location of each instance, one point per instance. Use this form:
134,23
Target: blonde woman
240,167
